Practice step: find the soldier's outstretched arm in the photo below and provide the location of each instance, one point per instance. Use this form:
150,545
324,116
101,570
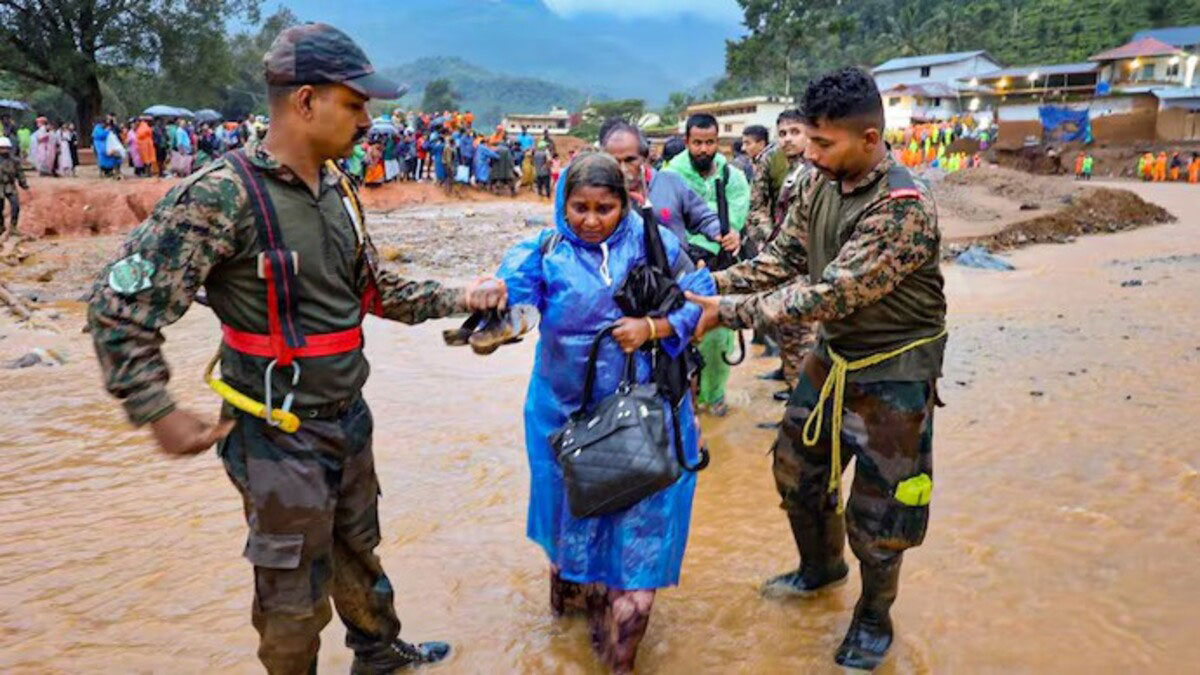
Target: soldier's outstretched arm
150,285
887,245
781,262
412,302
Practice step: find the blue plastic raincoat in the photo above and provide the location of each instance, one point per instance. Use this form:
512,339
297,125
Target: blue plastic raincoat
572,286
483,163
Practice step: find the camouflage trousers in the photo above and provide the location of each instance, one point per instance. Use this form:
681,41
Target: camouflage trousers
311,503
888,429
14,211
796,339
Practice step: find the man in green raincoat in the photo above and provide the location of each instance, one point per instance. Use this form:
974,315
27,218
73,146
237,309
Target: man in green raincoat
700,167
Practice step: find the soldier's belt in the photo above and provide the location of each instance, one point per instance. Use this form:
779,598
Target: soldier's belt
835,385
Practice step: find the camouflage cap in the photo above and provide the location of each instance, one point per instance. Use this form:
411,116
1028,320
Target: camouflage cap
317,53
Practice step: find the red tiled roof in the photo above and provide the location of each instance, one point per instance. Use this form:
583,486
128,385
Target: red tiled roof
1147,46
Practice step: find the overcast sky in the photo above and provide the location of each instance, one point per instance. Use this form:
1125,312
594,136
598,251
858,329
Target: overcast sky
717,10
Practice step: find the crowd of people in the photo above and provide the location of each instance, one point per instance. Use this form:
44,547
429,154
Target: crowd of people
147,145
1175,168
639,265
447,150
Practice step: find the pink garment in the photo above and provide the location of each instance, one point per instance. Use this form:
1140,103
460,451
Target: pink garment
135,154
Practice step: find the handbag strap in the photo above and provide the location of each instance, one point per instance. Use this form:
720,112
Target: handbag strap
589,379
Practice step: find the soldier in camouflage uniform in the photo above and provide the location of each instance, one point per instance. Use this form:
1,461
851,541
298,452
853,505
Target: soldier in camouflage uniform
860,255
310,495
11,175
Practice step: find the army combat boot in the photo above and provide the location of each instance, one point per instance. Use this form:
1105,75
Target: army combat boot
870,633
397,656
820,538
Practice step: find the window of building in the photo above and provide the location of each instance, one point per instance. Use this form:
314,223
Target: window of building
1148,71
1173,71
728,128
935,102
893,101
924,71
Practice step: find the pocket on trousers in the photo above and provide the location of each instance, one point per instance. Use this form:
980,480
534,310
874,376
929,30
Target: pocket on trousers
274,551
281,584
905,525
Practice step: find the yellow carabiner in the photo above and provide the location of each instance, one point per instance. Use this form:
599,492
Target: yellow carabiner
284,419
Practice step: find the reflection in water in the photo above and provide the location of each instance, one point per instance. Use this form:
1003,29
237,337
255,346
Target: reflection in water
1063,533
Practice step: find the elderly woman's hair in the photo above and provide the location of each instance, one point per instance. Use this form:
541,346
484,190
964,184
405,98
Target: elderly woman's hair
620,126
597,169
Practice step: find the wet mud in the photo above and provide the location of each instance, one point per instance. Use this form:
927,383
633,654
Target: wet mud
1063,521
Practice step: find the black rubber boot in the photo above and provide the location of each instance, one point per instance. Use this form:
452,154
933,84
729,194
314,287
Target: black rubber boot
397,656
870,633
822,566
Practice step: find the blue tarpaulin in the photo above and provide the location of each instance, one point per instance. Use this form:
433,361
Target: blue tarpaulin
980,258
1063,125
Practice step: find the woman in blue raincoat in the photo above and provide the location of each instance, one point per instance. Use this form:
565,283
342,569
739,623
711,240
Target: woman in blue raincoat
611,564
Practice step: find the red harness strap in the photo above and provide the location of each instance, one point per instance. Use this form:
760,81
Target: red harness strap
284,340
323,344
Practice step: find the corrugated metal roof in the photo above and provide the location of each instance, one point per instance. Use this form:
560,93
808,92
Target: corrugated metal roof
1172,93
1054,69
1146,46
906,62
1178,36
923,89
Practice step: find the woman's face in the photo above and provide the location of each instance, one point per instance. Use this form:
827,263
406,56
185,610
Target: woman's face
593,213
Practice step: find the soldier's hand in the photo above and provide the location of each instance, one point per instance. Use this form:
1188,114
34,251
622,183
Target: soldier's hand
487,293
731,242
709,312
181,434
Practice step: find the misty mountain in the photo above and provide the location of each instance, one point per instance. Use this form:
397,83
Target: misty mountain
595,53
489,95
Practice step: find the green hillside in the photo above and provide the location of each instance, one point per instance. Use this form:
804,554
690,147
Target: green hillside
791,40
489,95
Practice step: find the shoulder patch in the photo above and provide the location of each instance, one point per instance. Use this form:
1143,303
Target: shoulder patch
905,193
130,275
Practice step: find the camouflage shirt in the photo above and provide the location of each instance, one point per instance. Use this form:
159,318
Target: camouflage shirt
863,262
203,233
11,175
770,169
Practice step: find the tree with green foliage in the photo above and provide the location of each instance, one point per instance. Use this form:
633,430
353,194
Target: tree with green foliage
783,36
439,96
597,112
74,44
790,41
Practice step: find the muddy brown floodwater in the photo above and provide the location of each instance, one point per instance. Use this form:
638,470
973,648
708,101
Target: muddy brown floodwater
1063,538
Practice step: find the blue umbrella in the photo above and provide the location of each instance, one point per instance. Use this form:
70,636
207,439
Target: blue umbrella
12,105
161,111
208,115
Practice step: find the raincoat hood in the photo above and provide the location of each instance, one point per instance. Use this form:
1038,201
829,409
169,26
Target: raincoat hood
631,221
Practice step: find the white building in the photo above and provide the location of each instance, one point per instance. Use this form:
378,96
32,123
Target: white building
557,122
735,115
1144,64
929,87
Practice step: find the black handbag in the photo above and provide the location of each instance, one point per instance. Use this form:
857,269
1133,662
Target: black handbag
620,453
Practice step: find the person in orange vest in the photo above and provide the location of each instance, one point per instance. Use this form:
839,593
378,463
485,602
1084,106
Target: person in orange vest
1194,169
1079,166
1176,166
1160,167
1148,166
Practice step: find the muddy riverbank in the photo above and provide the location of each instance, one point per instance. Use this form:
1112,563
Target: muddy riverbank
1062,537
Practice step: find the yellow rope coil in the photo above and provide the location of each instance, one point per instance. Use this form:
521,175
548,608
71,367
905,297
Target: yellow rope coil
835,384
